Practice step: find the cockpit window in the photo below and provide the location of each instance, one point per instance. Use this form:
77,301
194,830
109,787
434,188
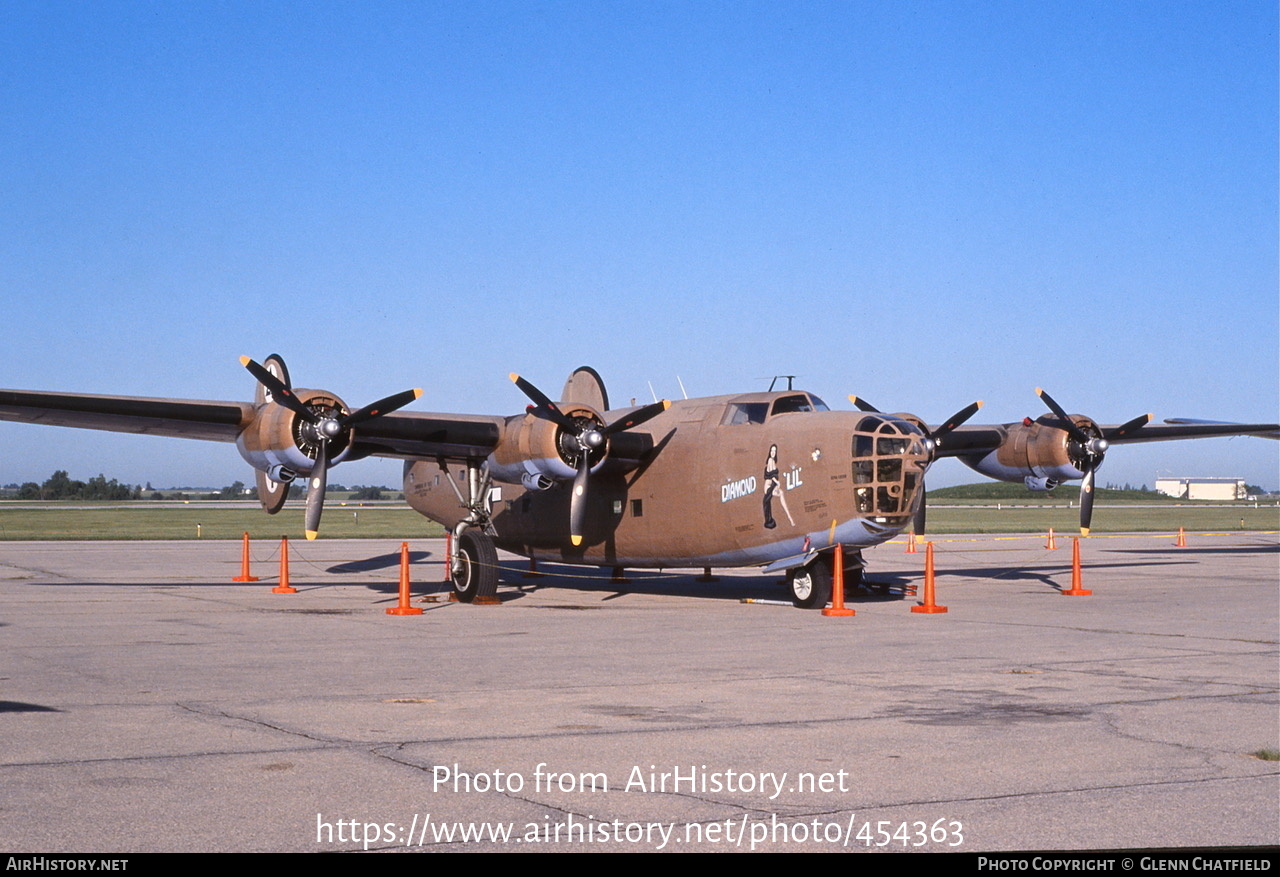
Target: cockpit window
745,412
818,404
792,404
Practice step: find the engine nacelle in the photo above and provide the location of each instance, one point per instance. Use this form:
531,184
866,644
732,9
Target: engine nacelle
1039,453
284,445
537,453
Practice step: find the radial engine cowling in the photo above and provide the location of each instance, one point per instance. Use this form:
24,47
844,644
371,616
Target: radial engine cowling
283,445
538,453
1039,452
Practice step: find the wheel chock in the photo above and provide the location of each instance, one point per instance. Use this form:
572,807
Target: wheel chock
284,587
1076,590
929,606
244,564
403,608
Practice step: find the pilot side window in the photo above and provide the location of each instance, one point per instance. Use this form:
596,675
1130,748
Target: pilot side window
792,404
745,412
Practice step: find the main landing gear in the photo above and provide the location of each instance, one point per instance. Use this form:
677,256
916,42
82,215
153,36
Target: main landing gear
810,585
473,562
475,567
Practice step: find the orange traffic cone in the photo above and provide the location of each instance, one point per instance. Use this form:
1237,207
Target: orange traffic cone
403,607
911,544
1052,544
1076,590
837,607
284,587
244,563
929,605
1182,539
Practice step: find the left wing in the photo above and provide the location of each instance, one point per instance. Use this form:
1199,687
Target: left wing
402,434
179,418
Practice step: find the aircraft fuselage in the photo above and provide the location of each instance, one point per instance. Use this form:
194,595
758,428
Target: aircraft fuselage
729,481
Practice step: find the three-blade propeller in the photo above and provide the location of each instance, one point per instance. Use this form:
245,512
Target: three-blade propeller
1090,451
935,436
326,426
586,437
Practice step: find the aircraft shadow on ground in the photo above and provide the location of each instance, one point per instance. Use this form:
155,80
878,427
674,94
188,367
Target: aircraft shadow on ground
653,583
15,706
381,561
1208,549
1056,575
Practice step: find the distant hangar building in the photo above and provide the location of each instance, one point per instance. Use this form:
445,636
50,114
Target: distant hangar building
1202,488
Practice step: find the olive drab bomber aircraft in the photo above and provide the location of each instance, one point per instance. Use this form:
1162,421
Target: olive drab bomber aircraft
773,480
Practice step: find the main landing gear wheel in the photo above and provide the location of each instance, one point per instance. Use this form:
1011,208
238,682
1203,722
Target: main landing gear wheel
476,572
810,585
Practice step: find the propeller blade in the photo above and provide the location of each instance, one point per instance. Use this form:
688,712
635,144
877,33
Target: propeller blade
578,500
315,490
637,417
1086,501
279,392
863,405
917,523
381,407
1076,432
958,418
543,406
1131,427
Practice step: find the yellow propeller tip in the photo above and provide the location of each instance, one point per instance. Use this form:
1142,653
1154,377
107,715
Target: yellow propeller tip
312,534
981,403
853,400
576,540
514,377
1039,391
244,360
1084,531
417,392
666,403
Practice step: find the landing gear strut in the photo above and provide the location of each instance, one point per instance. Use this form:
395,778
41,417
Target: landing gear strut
474,560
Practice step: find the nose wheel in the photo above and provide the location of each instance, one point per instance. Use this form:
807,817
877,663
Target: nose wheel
810,585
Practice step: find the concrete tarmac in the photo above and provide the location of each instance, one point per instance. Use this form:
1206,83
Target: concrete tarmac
149,703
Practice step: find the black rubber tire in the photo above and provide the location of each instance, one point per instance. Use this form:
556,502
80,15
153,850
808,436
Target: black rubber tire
478,572
810,586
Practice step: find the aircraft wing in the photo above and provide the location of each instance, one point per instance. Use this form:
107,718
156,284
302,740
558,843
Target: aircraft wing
978,438
400,434
180,418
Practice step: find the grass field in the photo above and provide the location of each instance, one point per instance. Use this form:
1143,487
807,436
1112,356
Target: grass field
144,520
214,520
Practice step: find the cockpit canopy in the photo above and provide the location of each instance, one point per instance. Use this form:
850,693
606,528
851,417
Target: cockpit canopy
747,409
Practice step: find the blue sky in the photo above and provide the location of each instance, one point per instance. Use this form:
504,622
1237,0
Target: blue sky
922,203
